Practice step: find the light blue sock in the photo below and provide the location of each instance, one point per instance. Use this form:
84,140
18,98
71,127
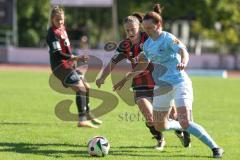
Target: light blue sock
199,132
173,125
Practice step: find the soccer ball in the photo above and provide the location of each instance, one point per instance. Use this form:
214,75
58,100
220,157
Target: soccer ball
98,146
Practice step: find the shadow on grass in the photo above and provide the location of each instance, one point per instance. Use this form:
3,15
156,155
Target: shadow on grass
15,123
32,124
144,147
136,151
81,150
29,148
159,154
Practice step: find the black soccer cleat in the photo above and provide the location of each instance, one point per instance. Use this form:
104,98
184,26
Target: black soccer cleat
184,137
217,152
187,139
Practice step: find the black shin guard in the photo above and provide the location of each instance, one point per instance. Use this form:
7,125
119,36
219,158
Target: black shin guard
158,135
81,103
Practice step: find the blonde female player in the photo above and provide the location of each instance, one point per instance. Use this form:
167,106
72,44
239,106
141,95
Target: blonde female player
63,66
143,84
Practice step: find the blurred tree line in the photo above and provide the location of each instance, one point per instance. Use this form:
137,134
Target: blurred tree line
32,17
218,20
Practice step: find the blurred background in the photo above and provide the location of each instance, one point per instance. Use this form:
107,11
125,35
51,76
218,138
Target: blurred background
209,28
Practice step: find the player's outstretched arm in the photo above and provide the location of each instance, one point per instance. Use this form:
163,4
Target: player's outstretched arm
141,66
106,71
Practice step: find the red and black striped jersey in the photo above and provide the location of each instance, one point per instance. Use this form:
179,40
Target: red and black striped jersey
59,48
127,50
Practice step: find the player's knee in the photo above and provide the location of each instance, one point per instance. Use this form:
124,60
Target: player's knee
149,123
140,102
183,117
149,119
80,87
87,85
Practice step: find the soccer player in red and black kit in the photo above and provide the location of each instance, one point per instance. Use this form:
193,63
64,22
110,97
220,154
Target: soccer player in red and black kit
64,67
143,84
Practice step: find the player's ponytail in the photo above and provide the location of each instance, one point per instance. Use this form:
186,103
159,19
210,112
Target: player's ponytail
155,15
157,8
139,16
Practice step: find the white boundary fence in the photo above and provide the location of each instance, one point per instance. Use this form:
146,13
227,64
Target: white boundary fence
199,64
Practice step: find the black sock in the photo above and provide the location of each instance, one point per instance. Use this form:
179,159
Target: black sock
81,103
87,100
158,135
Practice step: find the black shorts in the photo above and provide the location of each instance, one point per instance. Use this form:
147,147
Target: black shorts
69,77
71,80
143,92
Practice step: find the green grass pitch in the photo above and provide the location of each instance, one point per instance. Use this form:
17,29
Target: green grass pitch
30,130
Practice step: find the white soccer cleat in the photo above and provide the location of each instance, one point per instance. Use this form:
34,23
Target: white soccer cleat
160,145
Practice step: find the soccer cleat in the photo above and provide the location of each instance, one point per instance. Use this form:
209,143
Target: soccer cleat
86,124
217,152
160,144
187,139
184,137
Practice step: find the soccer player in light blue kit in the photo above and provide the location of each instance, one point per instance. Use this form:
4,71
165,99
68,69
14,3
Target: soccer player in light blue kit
169,57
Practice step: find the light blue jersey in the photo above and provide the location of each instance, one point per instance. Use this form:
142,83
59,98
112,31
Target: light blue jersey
164,54
172,84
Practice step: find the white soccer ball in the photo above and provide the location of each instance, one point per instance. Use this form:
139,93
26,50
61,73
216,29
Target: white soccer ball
98,146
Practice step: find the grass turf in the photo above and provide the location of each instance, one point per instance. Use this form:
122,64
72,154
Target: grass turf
29,128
